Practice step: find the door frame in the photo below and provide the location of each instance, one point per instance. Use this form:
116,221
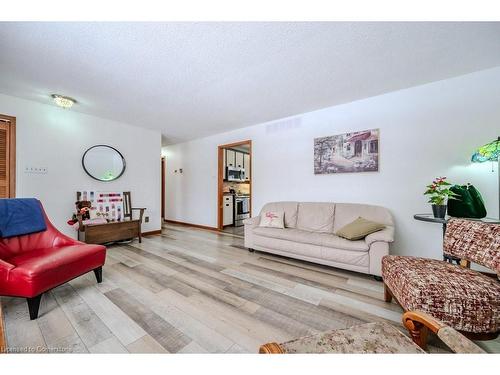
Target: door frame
220,178
12,154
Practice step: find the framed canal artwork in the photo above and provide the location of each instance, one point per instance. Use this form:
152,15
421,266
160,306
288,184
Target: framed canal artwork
347,153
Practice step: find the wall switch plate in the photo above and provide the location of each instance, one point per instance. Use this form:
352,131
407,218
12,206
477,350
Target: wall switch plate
146,219
36,170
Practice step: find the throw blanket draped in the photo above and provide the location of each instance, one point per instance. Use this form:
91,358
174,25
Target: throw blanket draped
20,216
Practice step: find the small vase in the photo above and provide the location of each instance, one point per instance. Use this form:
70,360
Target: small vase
439,210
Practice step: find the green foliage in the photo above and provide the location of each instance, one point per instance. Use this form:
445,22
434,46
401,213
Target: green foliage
439,191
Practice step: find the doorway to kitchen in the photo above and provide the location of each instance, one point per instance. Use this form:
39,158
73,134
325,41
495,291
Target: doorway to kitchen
234,193
7,156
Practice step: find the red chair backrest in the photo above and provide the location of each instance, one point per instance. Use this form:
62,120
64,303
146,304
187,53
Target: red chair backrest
51,237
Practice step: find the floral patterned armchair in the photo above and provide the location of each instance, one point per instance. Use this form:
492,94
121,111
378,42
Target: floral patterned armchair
462,298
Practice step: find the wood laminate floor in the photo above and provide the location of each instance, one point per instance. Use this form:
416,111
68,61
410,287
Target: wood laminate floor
237,231
196,291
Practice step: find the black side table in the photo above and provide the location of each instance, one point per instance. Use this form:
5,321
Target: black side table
431,219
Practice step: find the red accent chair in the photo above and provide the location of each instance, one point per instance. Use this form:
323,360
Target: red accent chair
35,263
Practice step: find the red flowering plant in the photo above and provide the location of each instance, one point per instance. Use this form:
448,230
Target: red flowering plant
439,191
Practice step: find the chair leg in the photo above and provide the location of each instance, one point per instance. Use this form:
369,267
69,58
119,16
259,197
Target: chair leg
33,306
98,274
387,294
418,332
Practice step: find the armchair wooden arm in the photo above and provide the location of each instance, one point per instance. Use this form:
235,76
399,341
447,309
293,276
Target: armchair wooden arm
271,348
419,324
141,211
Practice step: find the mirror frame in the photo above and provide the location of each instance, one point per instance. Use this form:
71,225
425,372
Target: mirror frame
114,149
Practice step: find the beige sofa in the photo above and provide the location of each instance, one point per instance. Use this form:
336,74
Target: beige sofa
309,235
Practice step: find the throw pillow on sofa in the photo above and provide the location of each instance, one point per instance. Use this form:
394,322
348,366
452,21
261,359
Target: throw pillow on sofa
359,229
272,219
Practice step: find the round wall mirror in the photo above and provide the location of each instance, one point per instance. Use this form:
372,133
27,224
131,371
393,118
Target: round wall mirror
103,163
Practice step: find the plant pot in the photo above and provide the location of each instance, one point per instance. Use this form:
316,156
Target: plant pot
439,210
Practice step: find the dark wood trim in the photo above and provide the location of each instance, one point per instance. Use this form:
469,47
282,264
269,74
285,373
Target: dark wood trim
234,144
220,178
12,154
220,183
152,232
3,342
191,225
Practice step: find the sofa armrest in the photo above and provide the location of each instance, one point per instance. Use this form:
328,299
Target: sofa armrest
252,221
4,270
384,235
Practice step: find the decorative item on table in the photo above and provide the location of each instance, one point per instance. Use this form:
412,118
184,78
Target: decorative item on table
469,202
439,193
348,152
489,152
108,205
87,213
83,209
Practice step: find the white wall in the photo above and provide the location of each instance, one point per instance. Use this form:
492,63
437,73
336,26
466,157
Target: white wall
52,137
426,131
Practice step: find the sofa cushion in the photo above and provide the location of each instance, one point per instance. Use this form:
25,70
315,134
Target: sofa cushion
336,242
345,213
289,208
272,219
311,238
359,229
460,297
287,247
316,217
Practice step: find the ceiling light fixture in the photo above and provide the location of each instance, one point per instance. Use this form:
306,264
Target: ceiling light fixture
63,101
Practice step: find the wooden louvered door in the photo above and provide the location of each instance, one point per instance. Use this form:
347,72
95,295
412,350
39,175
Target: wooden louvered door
7,157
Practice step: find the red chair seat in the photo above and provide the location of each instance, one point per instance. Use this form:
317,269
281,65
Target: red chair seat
39,270
32,264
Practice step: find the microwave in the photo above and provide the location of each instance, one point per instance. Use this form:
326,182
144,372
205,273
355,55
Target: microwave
235,174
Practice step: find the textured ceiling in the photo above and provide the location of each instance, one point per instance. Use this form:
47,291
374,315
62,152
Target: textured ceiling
195,79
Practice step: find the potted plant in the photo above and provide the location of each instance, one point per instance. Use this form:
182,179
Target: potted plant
439,193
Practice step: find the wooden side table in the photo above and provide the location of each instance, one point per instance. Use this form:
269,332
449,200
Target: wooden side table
431,219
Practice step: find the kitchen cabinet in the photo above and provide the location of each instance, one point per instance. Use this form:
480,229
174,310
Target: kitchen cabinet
228,210
246,165
230,158
239,159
